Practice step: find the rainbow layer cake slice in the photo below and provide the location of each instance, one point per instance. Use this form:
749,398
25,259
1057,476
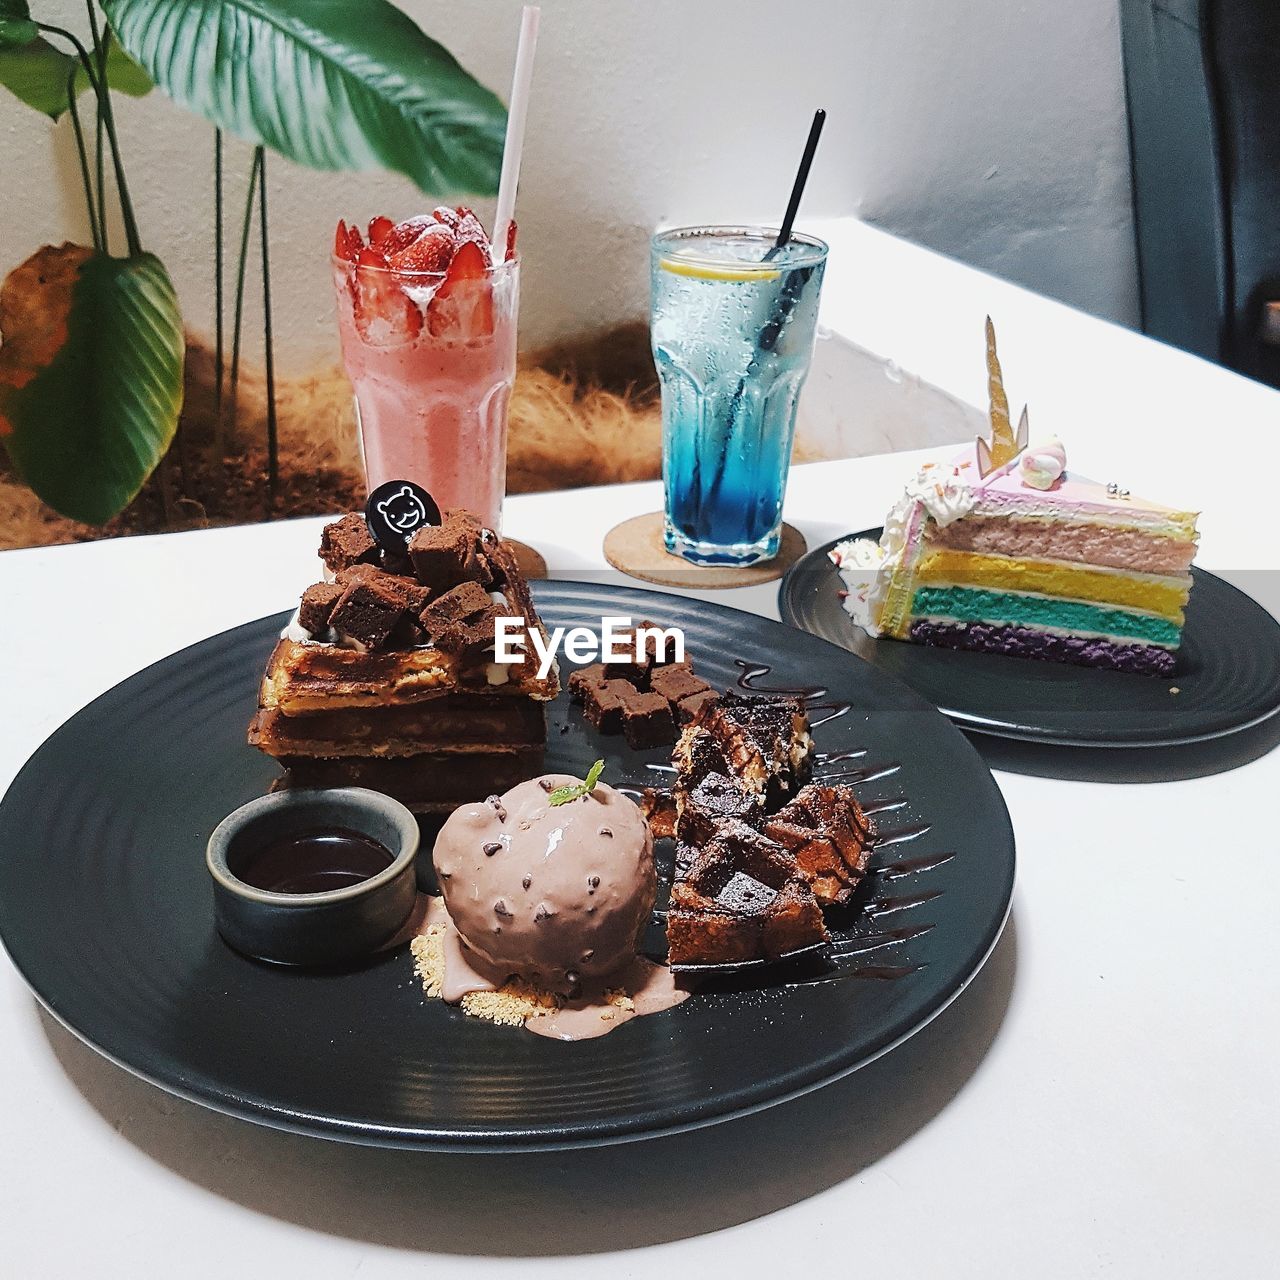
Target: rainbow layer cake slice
1004,550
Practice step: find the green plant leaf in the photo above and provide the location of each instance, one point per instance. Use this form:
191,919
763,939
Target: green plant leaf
37,73
90,395
327,83
16,27
123,74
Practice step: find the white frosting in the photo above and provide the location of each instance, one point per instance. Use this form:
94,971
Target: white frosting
332,639
866,568
296,632
860,562
942,491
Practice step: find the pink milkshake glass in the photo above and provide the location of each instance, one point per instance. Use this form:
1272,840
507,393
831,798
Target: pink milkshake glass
432,361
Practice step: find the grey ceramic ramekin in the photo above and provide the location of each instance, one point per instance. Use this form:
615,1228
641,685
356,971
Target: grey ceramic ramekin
320,929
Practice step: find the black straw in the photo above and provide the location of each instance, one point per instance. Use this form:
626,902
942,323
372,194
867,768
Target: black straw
802,176
788,294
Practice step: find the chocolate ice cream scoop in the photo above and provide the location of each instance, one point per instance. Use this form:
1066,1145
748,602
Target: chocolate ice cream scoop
558,893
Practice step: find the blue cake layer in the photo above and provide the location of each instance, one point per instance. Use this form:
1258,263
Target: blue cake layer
976,604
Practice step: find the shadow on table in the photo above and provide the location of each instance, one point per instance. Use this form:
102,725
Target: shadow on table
563,1202
1122,764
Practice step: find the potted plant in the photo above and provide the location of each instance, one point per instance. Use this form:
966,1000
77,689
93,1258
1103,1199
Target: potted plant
91,363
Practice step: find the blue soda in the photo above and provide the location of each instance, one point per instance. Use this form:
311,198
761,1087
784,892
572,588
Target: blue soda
733,325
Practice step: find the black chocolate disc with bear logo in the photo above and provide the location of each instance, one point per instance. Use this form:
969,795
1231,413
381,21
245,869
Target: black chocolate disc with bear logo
397,510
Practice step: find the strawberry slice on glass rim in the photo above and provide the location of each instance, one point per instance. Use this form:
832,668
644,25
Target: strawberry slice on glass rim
428,254
385,315
347,242
462,309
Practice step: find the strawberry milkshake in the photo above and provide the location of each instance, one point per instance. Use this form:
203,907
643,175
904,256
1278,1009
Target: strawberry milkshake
428,325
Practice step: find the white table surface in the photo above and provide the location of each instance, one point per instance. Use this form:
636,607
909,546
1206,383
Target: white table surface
1101,1101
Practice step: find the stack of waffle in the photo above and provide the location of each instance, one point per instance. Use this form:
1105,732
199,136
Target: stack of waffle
386,676
760,851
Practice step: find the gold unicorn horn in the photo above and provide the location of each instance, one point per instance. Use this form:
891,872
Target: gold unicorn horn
1005,445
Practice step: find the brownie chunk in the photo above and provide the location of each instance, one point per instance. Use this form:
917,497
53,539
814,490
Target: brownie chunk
602,704
461,621
585,679
346,542
317,606
676,681
655,652
449,553
457,603
646,719
409,591
396,561
689,709
659,809
369,610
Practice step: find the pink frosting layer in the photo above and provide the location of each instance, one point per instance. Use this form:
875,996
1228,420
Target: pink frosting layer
1003,493
1111,545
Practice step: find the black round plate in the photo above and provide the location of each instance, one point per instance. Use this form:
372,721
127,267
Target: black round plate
106,909
1227,678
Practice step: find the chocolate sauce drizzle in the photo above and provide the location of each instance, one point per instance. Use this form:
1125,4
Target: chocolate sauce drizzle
842,959
900,835
868,773
862,944
891,906
753,671
834,711
912,866
872,807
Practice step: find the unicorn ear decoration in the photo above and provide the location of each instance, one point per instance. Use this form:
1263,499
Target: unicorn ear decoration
1004,445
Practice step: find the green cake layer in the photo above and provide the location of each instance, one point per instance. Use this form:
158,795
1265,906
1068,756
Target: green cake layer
971,604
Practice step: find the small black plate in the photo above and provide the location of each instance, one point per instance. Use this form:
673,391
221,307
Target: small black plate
106,909
1227,678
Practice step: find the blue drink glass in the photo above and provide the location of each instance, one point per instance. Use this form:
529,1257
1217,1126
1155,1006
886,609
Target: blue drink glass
732,325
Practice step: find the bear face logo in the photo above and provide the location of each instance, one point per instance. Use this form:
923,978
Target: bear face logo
403,510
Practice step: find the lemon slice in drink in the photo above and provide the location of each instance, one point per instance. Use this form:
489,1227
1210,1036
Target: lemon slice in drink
698,271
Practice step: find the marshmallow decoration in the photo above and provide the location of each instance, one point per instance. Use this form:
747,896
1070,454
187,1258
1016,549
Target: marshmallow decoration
1043,466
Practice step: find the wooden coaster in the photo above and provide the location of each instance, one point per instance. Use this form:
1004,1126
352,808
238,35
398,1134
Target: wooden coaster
636,548
530,561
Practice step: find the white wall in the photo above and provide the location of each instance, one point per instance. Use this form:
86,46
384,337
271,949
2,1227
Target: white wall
990,129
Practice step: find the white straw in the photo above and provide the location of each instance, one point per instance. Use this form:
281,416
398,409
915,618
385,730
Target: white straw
517,113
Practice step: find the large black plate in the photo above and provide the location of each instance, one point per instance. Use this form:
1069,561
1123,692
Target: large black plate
106,910
1227,678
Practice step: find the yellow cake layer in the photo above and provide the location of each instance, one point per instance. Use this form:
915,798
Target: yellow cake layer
1155,594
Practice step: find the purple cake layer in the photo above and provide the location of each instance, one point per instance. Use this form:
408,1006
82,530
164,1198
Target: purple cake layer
1022,642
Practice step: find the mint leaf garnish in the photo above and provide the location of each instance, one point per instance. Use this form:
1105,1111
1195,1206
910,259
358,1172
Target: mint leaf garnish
565,795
